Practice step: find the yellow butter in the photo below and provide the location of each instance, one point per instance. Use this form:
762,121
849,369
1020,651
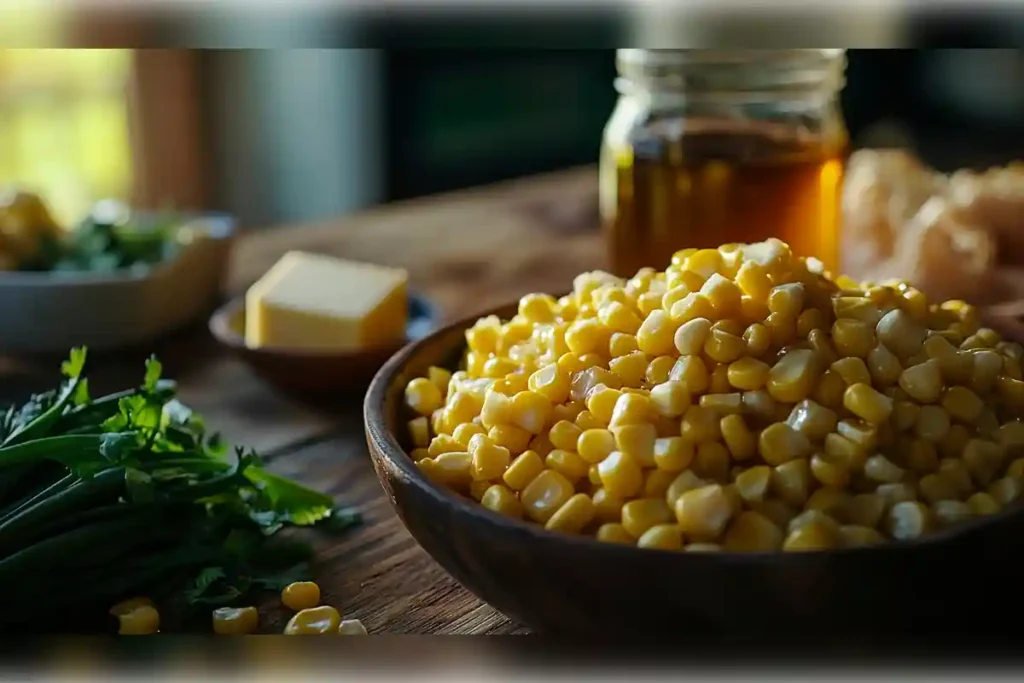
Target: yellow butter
320,303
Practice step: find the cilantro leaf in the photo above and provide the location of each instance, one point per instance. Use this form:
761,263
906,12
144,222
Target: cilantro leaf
73,366
293,501
154,369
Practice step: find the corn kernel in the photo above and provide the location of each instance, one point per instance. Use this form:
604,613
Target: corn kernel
643,513
792,378
423,396
637,442
758,339
814,517
543,496
982,460
621,344
656,483
723,347
812,536
881,469
752,532
753,483
514,439
662,537
419,430
489,460
854,536
594,445
865,509
462,435
779,443
947,513
619,317
235,621
621,474
630,369
700,424
573,516
300,595
908,520
691,371
759,405
866,403
703,512
829,391
753,279
631,409
711,461
315,621
453,469
551,382
791,481
782,329
852,337
962,403
982,504
656,334
670,399
922,457
673,454
523,470
567,463
723,294
748,374
812,420
857,308
738,438
659,369
718,382
884,366
810,320
853,370
614,533
502,500
723,404
833,502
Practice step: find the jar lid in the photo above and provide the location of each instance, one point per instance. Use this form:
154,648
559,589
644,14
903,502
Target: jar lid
679,58
735,71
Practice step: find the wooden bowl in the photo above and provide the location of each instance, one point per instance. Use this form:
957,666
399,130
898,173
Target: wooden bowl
314,376
574,585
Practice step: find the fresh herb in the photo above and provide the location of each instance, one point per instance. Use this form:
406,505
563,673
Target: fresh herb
110,238
126,494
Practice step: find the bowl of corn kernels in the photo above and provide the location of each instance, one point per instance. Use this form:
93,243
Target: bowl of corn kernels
738,443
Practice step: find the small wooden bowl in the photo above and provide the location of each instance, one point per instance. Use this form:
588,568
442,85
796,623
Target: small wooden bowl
575,585
313,376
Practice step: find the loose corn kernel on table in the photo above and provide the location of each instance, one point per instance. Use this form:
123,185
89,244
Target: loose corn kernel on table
540,233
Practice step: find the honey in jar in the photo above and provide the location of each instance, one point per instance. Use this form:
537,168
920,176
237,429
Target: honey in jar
707,147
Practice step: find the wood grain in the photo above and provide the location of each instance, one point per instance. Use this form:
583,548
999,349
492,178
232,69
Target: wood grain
377,573
467,252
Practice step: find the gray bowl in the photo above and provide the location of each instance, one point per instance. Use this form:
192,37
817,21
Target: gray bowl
44,312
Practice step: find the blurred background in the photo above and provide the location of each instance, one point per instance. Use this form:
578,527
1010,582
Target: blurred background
289,136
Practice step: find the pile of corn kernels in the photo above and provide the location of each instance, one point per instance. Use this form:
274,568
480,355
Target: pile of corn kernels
741,400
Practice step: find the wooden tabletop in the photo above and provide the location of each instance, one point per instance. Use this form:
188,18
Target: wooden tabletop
466,252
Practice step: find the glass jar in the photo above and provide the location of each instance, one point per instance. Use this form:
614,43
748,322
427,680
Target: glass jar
710,147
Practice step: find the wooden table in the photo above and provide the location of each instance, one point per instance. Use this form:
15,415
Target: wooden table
467,252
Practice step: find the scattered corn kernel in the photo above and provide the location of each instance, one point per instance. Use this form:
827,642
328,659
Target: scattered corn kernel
235,621
300,595
314,621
